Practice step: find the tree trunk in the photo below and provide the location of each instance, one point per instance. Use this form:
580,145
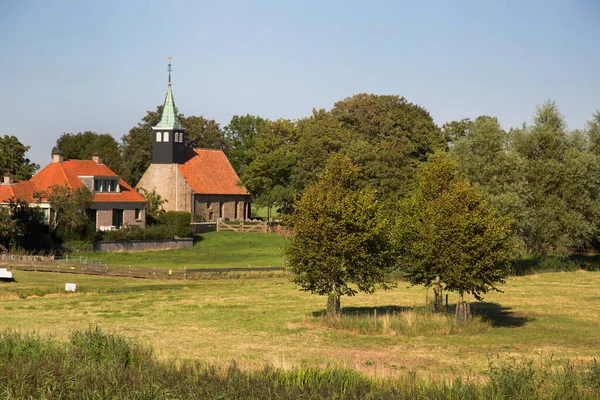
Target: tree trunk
437,292
463,309
333,302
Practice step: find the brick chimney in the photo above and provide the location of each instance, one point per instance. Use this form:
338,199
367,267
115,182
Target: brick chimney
97,157
57,156
8,178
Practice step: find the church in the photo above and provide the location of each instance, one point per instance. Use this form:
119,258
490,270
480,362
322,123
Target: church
199,181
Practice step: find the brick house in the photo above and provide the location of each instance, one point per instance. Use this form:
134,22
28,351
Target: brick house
115,203
200,181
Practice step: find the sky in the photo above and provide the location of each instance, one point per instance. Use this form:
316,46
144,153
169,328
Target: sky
72,66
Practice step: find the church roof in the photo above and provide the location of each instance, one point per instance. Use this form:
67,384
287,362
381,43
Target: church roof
169,113
208,171
67,173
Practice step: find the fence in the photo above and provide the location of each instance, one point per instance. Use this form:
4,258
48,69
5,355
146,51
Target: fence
242,227
147,273
203,227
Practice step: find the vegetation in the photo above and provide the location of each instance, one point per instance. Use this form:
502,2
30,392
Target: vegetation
131,370
448,235
22,227
83,145
340,237
13,160
258,320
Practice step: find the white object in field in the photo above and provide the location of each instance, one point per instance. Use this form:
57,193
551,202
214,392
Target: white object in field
5,274
70,287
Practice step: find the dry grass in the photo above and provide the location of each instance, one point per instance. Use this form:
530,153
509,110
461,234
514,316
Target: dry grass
258,321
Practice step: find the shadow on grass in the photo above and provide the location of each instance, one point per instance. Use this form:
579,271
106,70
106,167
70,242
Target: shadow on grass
498,315
197,239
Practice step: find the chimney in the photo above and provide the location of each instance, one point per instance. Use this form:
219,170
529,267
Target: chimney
97,157
57,156
8,178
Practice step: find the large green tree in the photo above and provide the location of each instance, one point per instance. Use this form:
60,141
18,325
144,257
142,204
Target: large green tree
13,159
204,133
400,134
447,233
340,237
69,207
82,145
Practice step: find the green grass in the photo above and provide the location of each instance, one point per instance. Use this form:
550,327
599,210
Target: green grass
257,320
211,250
39,367
263,212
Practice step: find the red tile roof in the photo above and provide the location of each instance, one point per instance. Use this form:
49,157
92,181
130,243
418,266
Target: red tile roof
68,172
208,171
18,190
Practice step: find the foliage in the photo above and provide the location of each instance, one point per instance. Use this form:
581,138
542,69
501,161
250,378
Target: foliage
69,207
169,225
130,370
179,220
30,229
154,205
340,237
13,160
241,133
204,133
8,228
83,145
446,230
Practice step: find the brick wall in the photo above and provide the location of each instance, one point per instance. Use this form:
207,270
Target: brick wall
104,213
222,206
170,184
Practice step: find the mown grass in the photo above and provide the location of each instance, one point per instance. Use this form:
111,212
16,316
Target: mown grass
93,364
211,250
257,320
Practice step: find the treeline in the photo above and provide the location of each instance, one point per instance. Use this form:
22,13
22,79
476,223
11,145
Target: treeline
543,175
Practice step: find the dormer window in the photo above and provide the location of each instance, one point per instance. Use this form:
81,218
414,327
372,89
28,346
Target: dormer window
106,185
159,136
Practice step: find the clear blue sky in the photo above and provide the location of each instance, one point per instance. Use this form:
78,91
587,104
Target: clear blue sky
70,66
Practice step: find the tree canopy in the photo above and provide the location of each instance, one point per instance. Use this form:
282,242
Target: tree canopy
13,159
445,230
83,145
340,237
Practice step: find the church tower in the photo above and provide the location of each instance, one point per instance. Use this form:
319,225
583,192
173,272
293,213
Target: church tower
168,136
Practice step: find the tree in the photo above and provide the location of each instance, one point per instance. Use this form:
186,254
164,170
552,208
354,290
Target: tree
268,177
13,160
8,228
137,147
83,145
446,233
340,237
241,133
204,133
454,130
154,203
400,135
69,207
31,231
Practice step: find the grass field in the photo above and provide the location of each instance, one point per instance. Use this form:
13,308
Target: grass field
260,321
211,250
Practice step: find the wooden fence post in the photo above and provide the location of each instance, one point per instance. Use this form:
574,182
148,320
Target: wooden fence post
184,273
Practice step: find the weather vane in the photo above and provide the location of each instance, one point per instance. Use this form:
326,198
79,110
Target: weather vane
170,58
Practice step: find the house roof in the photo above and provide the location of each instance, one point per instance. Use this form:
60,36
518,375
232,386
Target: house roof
208,171
18,190
169,115
68,172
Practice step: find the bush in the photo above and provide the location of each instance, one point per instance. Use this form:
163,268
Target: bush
170,224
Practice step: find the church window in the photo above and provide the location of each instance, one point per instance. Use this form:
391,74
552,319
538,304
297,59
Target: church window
159,136
165,136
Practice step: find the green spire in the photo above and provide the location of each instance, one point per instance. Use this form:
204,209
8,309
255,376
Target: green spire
169,116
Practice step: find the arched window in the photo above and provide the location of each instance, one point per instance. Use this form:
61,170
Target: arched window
159,136
177,137
165,136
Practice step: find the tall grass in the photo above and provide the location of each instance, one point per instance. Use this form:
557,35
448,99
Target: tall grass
96,365
417,321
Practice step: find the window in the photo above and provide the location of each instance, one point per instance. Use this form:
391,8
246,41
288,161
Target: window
114,186
138,214
180,137
159,136
117,217
97,185
106,185
221,209
165,136
235,211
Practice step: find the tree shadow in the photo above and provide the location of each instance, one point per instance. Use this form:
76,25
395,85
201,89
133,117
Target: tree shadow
198,238
498,315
